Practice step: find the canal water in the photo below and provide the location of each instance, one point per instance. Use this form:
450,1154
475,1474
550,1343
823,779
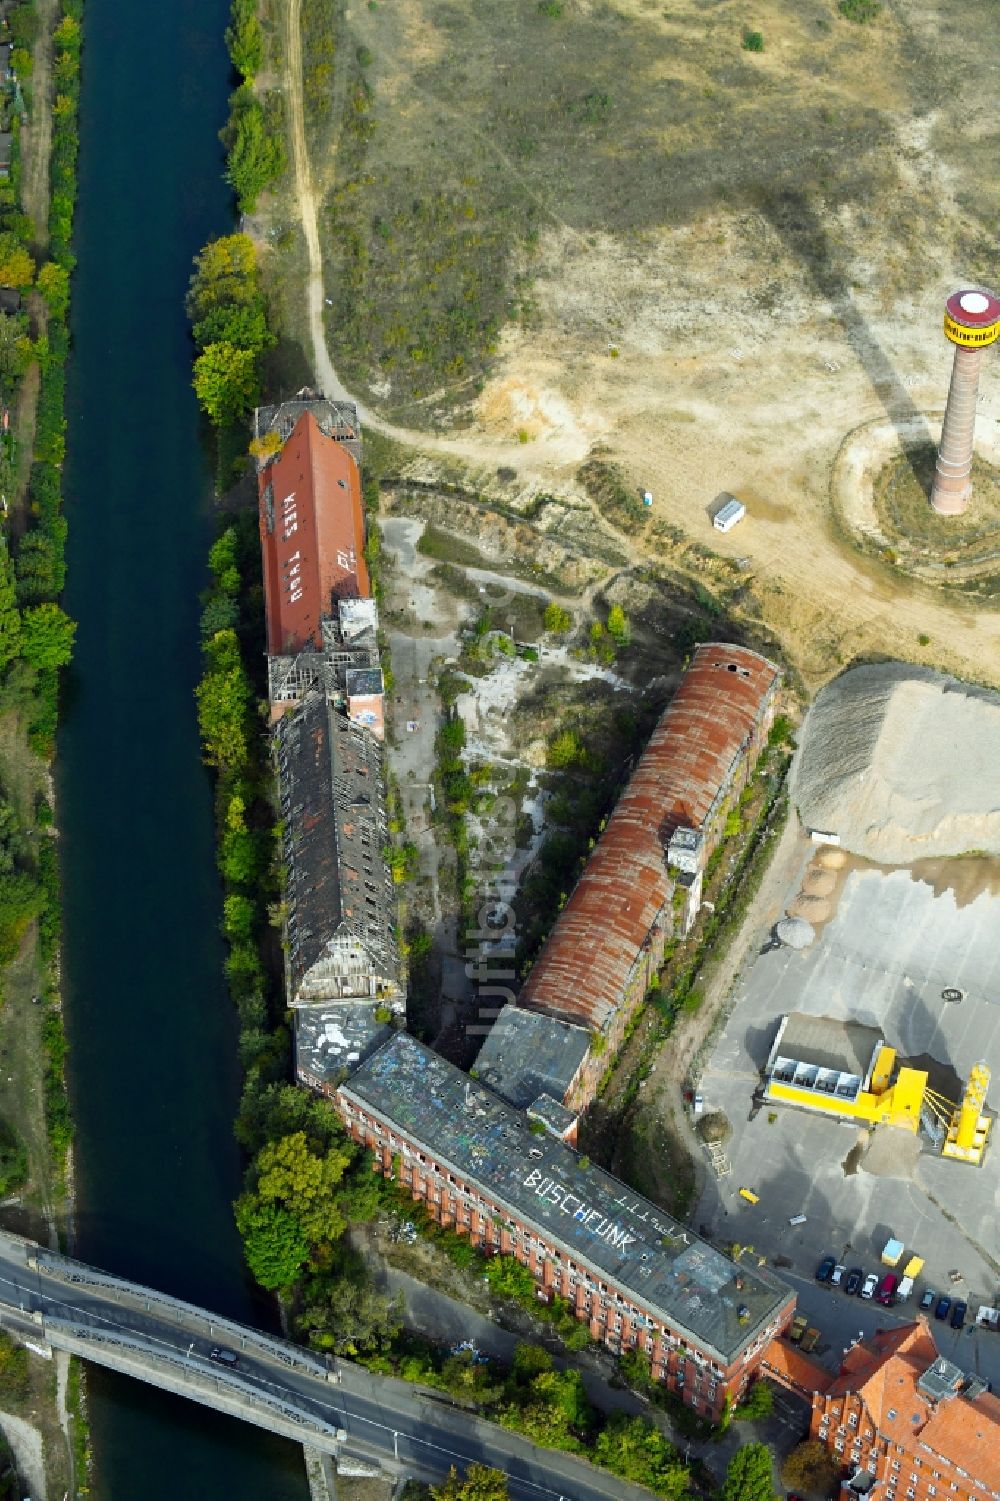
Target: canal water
153,1074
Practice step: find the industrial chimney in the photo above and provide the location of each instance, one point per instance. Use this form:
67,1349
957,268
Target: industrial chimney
971,322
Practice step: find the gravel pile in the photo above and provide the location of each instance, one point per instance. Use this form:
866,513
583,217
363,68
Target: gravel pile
902,763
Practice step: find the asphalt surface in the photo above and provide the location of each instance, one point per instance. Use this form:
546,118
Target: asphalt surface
168,1343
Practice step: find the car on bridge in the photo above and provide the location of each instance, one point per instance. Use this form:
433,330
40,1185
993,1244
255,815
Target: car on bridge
222,1356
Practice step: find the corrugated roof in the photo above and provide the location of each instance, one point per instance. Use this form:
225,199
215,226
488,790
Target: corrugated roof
668,1270
312,536
333,807
583,970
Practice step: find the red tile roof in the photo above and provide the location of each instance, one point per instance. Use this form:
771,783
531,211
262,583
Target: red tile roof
885,1372
582,972
312,536
787,1364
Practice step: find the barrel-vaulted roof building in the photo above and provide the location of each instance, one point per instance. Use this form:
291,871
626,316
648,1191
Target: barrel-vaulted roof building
608,941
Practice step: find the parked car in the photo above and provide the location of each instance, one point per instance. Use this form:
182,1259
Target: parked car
943,1305
825,1269
870,1284
837,1275
958,1313
929,1299
886,1294
855,1277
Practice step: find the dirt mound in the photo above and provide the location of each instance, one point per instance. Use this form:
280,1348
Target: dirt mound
813,908
901,763
830,859
819,882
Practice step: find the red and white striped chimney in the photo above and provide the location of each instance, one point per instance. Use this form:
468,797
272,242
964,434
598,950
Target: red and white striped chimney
971,322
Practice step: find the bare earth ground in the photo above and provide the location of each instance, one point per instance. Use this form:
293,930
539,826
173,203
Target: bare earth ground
735,261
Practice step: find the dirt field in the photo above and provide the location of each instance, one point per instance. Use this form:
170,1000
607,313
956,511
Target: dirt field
716,263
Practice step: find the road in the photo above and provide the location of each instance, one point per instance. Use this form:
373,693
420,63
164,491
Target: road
277,1385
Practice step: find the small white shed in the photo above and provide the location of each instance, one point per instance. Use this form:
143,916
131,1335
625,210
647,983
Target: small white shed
728,514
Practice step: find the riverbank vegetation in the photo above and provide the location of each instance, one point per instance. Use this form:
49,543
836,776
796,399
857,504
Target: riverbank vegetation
36,641
36,636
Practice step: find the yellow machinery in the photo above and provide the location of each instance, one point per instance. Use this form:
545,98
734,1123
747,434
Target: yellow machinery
882,1104
819,1065
966,1125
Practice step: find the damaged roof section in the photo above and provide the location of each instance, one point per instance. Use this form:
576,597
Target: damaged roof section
340,894
583,973
332,1040
526,1056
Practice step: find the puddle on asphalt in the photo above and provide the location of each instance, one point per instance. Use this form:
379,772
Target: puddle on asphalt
966,876
852,1161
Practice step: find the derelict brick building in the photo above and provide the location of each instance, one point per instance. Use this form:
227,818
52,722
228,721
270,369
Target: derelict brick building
607,945
343,969
340,896
636,1277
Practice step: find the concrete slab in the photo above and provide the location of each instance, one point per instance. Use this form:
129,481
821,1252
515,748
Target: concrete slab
894,943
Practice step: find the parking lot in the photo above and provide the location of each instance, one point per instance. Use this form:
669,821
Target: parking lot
893,944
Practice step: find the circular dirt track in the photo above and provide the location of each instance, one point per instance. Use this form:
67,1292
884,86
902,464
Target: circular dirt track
942,553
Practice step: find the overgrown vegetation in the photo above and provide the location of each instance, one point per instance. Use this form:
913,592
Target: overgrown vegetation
36,636
229,325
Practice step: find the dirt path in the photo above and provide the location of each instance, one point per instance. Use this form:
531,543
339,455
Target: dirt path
36,136
26,1443
562,446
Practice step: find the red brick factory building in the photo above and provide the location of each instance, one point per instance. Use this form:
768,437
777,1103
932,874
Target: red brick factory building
639,1279
904,1424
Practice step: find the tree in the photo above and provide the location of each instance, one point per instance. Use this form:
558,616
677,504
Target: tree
245,40
748,1475
10,619
564,750
810,1468
634,1449
224,272
256,156
53,283
352,1317
306,1183
17,269
480,1484
556,619
47,635
273,1243
223,697
530,1361
618,625
15,354
243,324
226,382
758,1403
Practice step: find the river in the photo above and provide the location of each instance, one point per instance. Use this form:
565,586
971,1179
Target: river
152,1036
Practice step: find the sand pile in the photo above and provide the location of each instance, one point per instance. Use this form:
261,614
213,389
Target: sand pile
902,763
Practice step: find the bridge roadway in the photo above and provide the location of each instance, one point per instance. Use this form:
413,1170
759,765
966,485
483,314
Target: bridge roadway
330,1405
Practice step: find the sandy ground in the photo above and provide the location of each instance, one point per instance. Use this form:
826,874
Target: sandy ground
714,354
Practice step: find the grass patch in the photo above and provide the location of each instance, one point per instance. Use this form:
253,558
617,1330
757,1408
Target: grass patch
445,547
903,507
861,12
